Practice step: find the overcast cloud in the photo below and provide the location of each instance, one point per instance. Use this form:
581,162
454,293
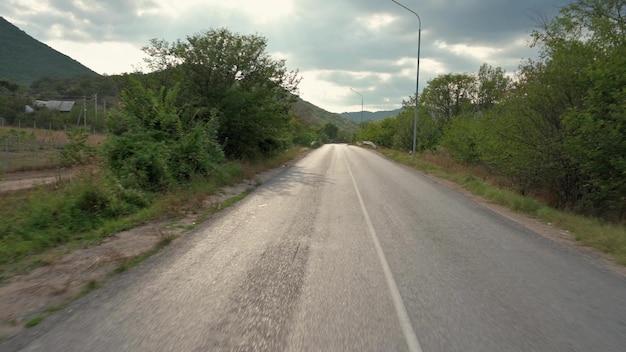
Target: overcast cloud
367,45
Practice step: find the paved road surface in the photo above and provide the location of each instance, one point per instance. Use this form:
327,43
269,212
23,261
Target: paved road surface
346,251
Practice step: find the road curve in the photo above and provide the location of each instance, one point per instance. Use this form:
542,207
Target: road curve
348,251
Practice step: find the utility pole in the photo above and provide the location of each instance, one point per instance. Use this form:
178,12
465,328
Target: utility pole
361,104
85,112
419,40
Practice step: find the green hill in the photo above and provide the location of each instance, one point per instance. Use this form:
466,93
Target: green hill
370,116
316,116
24,59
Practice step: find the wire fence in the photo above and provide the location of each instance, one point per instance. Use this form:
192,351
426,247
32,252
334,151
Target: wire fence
22,151
34,148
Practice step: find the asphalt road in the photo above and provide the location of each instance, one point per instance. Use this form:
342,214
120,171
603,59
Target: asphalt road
347,251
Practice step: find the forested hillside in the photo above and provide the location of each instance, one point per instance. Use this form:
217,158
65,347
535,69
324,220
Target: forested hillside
316,116
556,130
25,59
369,115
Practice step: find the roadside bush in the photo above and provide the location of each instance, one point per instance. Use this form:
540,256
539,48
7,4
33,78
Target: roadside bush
151,149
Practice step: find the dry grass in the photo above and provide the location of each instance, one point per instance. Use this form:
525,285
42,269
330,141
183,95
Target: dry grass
40,153
53,138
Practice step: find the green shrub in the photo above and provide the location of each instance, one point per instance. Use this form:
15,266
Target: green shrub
77,152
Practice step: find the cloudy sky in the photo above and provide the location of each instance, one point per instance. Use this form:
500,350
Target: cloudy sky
367,45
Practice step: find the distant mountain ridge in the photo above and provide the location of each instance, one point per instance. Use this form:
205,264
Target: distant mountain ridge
314,115
24,59
370,116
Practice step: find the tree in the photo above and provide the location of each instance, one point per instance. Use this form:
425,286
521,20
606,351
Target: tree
597,126
492,87
330,130
447,96
403,137
233,76
562,127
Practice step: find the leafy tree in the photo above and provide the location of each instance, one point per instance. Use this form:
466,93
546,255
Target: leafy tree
492,87
403,136
562,128
526,138
597,125
447,96
330,130
12,101
234,76
429,126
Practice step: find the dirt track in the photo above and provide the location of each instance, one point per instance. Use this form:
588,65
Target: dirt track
21,180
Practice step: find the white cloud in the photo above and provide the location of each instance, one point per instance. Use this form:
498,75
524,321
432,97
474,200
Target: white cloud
321,92
258,11
377,21
433,66
475,51
104,58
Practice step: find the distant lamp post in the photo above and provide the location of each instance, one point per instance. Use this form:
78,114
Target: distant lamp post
361,104
419,40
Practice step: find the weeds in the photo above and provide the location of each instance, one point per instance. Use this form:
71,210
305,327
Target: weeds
34,321
89,286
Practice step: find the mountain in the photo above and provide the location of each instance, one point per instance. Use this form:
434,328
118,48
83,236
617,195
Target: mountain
24,59
313,115
370,116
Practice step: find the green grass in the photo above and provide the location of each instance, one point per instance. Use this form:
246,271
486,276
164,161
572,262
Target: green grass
594,233
34,321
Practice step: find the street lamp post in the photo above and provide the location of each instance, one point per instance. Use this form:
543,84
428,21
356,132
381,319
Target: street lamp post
419,40
361,104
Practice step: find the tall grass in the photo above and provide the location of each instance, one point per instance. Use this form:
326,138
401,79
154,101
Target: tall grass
594,233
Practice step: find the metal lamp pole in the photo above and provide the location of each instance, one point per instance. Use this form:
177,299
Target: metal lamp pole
419,40
361,104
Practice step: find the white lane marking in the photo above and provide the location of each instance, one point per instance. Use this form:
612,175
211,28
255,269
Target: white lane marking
403,316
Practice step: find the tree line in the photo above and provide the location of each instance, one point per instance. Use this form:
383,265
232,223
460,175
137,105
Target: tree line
557,128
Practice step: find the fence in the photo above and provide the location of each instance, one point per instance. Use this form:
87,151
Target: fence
22,150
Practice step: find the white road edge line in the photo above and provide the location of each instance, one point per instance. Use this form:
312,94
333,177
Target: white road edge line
407,328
